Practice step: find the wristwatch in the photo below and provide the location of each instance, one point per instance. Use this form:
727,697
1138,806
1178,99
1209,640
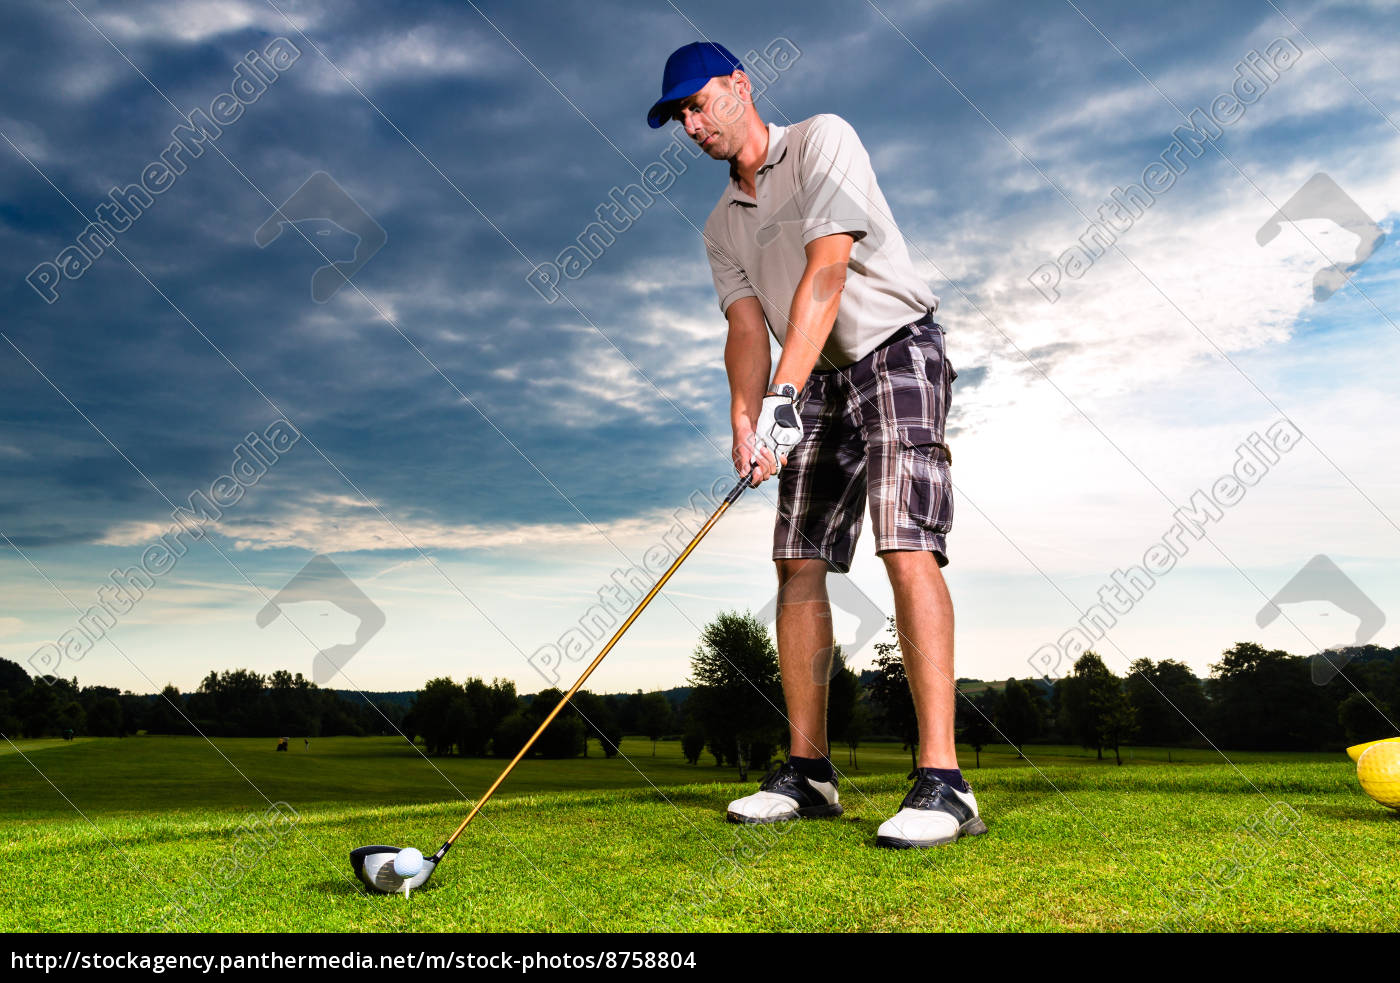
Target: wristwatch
785,389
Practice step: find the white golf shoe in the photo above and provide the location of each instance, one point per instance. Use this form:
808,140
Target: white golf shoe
932,814
785,793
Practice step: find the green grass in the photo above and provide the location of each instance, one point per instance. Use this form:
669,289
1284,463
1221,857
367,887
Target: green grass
1074,844
40,744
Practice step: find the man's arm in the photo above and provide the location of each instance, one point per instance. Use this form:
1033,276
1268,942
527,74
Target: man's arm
747,361
814,307
746,355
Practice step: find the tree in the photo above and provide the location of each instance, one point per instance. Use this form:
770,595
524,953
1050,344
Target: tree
501,701
736,695
1116,719
565,736
1364,717
163,716
610,736
460,725
511,735
1020,716
592,709
629,712
38,707
476,711
892,698
1267,700
654,718
725,752
13,678
842,700
233,703
856,730
976,720
296,706
692,746
1081,699
692,733
431,716
72,717
1095,706
104,719
1168,699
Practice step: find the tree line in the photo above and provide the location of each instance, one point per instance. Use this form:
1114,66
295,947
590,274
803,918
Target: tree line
478,719
234,703
1254,699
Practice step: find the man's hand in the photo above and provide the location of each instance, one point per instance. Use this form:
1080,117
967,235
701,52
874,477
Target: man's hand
751,457
776,433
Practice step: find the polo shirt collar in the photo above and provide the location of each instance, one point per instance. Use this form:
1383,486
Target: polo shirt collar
777,150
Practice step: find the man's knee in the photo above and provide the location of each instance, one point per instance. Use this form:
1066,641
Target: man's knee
801,580
913,564
804,569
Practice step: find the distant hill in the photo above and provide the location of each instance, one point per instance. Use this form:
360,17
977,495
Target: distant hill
965,685
971,687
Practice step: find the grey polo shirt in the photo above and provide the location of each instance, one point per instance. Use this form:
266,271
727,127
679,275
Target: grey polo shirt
816,181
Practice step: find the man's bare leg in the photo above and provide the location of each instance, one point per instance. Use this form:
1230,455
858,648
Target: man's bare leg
801,789
923,610
804,640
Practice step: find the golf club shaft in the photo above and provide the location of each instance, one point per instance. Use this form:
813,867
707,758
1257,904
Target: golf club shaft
729,500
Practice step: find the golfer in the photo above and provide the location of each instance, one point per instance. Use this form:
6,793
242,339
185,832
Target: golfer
802,244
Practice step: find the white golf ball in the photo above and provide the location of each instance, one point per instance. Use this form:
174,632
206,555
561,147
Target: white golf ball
408,862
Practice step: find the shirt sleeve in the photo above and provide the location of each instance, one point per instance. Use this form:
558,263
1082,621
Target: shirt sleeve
731,282
834,175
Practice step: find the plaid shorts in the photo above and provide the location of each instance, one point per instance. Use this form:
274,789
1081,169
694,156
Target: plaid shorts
872,430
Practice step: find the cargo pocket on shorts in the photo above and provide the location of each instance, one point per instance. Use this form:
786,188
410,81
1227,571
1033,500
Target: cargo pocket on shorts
923,478
924,441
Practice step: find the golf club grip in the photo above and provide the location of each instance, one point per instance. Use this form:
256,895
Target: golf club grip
729,500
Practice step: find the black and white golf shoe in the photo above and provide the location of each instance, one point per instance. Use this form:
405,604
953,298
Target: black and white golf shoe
932,814
785,793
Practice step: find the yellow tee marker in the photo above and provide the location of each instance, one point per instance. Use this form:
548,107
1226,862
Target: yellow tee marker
1357,750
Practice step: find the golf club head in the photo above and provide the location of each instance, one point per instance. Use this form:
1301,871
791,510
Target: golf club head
374,866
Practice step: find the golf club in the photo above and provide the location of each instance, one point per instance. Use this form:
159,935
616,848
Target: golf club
381,869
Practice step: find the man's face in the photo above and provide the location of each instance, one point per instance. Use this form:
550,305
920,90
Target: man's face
714,116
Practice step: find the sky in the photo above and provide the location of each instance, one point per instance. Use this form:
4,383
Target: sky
476,454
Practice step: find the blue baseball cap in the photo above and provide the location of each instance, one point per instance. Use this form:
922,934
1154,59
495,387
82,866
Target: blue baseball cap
687,72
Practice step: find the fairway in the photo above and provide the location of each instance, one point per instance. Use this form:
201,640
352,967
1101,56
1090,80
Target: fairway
149,839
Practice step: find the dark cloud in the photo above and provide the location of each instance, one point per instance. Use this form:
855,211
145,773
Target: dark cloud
513,174
970,378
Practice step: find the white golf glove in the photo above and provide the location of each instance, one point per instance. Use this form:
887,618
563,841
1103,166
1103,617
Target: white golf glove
779,427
